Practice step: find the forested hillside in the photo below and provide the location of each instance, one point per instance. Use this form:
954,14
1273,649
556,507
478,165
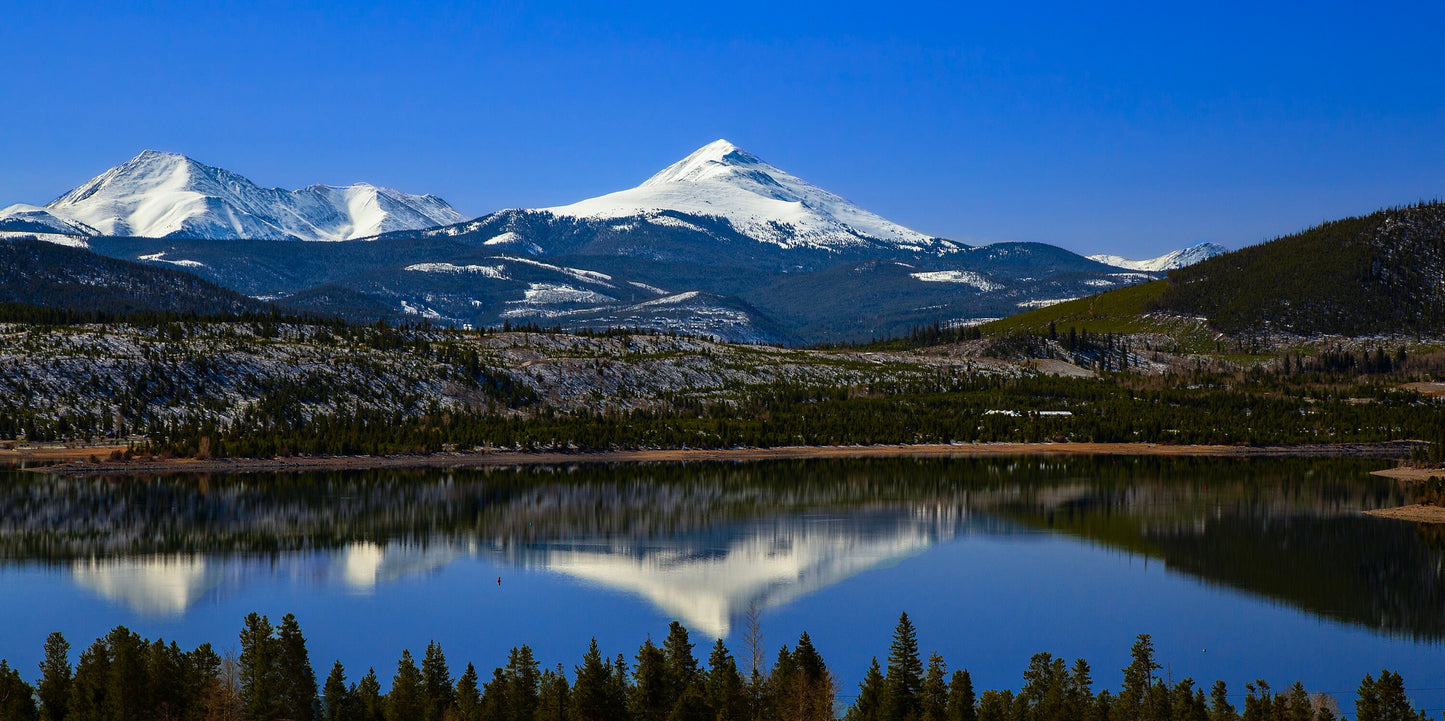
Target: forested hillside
1379,273
52,276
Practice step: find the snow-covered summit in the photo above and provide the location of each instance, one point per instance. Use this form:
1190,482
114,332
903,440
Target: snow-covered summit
1169,261
760,200
158,194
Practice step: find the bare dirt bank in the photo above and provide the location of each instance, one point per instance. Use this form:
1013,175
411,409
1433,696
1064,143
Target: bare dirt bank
55,453
1411,475
1414,512
518,458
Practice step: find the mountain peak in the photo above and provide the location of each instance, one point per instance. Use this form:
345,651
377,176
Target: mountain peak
149,154
761,201
707,162
162,194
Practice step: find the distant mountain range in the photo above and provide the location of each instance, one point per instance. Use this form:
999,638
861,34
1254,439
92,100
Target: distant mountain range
1174,260
719,243
166,195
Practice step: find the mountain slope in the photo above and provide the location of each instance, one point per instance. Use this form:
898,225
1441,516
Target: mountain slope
761,201
1379,273
169,195
1181,258
47,275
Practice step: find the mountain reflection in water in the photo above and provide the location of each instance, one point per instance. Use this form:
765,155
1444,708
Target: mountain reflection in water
704,579
703,543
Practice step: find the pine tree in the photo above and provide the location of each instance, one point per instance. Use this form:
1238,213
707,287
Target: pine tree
933,694
1079,699
126,690
297,678
777,692
523,678
871,692
87,696
468,696
995,705
961,701
726,692
1300,708
553,699
905,674
1220,709
405,700
680,662
438,694
596,694
369,703
336,695
1138,679
692,704
260,685
812,685
17,698
652,695
55,678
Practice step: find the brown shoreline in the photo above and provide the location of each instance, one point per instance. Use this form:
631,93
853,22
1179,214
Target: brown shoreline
1408,475
492,459
56,453
1413,512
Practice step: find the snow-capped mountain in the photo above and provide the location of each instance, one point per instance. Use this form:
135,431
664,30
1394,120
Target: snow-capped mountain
159,195
760,201
1169,261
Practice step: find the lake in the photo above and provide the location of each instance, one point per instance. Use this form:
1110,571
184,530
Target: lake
1239,569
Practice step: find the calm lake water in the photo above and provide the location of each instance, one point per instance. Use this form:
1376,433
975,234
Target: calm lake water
1239,569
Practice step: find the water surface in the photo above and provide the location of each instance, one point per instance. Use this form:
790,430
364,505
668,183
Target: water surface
1240,569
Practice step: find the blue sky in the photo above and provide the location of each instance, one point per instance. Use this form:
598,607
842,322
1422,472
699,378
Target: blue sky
1131,128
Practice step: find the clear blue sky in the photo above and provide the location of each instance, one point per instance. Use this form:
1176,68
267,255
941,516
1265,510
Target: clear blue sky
1123,128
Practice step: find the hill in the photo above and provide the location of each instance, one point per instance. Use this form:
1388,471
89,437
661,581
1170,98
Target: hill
45,275
1378,274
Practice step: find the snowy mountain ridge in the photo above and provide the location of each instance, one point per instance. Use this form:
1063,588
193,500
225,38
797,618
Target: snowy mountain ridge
158,195
760,201
1169,261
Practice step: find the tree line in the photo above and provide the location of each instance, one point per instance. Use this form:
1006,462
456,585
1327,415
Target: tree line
122,677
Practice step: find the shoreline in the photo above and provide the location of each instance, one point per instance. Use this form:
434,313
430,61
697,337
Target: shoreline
77,464
1407,475
1414,512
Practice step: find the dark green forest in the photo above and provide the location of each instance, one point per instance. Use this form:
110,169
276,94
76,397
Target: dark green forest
122,676
1259,409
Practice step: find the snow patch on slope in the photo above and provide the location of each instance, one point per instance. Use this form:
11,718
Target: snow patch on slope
966,277
586,276
552,300
160,258
487,271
